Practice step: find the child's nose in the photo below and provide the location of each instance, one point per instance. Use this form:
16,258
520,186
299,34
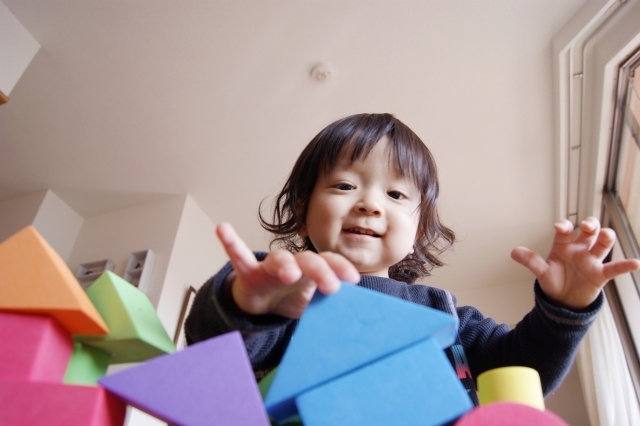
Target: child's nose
369,206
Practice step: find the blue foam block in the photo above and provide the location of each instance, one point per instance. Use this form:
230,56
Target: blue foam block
343,331
415,386
264,386
209,383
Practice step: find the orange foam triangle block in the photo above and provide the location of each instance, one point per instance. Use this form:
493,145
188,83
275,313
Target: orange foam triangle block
35,280
35,348
55,404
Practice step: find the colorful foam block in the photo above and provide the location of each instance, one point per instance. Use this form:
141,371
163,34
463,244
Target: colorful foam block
265,383
511,384
136,331
35,348
55,404
263,386
87,365
339,333
208,383
509,414
414,386
35,280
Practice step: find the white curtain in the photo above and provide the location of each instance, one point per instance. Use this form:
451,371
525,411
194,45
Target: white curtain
608,391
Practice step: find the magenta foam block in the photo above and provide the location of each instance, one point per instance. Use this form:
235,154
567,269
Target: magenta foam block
35,348
56,404
208,383
415,386
509,414
346,330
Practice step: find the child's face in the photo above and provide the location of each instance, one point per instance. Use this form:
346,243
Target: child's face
364,211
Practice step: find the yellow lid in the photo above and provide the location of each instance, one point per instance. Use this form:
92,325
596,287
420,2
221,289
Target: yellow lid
511,384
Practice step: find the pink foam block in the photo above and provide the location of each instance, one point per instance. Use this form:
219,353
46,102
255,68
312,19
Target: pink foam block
509,414
35,348
209,383
54,404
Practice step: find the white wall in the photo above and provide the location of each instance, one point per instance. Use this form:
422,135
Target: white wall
17,49
117,234
196,255
506,304
19,212
58,223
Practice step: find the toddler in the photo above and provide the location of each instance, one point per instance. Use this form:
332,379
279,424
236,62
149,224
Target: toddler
360,205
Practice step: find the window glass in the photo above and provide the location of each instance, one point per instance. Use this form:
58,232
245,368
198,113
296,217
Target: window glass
627,184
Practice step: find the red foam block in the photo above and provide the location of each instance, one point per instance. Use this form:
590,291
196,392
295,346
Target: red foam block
53,404
509,414
35,348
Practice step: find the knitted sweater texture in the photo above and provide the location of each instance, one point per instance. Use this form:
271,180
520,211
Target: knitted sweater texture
546,339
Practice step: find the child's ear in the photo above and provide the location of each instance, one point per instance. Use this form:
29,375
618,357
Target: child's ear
302,232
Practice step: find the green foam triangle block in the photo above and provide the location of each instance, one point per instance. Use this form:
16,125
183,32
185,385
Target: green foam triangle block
136,331
87,365
263,385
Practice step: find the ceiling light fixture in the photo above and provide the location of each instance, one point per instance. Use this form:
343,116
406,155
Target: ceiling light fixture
321,72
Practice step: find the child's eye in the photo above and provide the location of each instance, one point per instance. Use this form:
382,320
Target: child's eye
396,195
344,187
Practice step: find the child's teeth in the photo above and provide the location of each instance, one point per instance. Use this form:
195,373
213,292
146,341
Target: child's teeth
362,231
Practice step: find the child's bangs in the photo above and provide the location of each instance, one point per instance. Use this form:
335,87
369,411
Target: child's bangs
407,153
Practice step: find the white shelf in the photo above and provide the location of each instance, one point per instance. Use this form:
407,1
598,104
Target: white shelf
139,267
87,273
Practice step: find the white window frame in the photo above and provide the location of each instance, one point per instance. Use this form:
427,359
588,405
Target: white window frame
588,54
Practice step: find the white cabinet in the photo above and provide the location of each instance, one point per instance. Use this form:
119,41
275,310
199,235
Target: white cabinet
139,267
87,273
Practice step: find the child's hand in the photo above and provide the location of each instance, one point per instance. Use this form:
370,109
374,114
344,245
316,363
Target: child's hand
283,283
573,273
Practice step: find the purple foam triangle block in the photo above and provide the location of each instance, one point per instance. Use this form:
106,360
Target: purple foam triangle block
209,383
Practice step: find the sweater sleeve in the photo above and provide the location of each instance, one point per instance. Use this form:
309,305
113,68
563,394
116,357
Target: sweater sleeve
546,339
214,312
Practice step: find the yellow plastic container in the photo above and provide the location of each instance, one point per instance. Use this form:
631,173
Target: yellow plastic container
511,384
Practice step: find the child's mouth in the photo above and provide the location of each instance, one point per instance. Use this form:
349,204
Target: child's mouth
362,231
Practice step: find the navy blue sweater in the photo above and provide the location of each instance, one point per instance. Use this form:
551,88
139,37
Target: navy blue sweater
546,339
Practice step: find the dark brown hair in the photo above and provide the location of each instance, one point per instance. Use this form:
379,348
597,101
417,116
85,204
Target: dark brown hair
358,134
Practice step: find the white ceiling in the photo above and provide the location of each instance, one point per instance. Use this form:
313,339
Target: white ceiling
132,101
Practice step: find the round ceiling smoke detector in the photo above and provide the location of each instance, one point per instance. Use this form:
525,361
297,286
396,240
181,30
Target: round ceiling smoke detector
321,72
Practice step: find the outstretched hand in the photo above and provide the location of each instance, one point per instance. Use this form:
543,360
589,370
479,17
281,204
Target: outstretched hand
573,273
283,283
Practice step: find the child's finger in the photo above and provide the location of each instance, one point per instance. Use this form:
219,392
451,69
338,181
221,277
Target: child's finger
589,230
239,253
531,260
344,269
315,268
564,232
613,269
282,264
604,242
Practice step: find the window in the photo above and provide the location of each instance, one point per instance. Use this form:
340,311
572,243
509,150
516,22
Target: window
621,209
